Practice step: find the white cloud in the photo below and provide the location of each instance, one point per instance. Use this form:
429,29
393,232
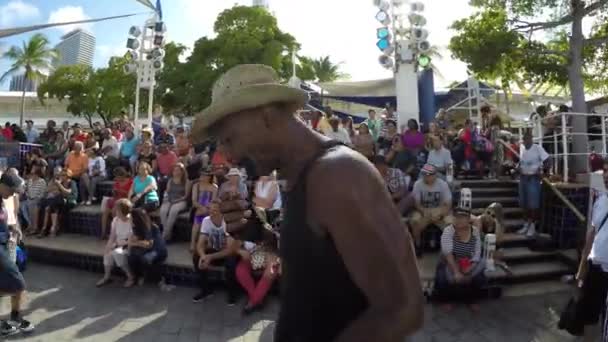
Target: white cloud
69,13
105,52
17,11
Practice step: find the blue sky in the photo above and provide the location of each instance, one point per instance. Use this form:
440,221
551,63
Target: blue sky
349,26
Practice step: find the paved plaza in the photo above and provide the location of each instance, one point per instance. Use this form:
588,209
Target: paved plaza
66,306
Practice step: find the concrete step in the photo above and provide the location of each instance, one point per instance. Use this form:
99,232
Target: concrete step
86,252
508,212
494,192
512,240
487,183
533,271
518,255
507,202
86,220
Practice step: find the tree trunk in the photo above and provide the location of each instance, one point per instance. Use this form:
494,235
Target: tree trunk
577,90
22,104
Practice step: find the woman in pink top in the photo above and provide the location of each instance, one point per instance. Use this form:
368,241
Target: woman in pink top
413,139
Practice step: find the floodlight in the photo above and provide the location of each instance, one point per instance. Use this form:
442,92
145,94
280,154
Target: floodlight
135,31
424,61
157,64
383,33
398,3
424,46
133,44
129,68
419,34
157,53
417,7
386,61
133,55
160,27
383,18
417,19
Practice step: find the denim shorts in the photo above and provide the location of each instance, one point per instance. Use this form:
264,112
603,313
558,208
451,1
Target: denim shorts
529,192
11,280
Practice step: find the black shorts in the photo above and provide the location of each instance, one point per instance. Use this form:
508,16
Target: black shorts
11,280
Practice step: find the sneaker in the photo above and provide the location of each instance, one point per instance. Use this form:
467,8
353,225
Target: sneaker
25,326
531,230
202,296
87,203
7,329
524,229
231,300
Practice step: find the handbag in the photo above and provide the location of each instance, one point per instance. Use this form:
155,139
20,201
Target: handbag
569,319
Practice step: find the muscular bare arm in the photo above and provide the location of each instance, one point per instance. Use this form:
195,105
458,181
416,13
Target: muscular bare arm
375,246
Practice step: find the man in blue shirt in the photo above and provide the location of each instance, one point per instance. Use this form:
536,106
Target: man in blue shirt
128,150
11,280
31,132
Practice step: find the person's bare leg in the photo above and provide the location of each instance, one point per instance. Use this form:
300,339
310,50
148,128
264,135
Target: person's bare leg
46,220
104,222
34,212
16,301
54,226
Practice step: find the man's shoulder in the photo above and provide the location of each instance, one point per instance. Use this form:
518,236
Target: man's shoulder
344,161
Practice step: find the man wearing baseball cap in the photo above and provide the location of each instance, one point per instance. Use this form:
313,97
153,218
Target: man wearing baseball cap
11,280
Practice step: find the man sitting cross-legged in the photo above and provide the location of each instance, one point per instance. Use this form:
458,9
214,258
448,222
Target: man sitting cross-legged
433,202
215,248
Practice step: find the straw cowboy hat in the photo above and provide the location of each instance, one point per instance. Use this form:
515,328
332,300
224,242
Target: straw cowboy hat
244,87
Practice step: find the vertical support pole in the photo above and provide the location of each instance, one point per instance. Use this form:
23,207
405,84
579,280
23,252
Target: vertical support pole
603,120
151,102
555,152
565,146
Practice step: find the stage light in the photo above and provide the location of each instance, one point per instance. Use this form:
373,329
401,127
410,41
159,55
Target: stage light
135,31
417,19
133,55
383,33
133,44
386,61
383,18
157,64
159,40
157,53
160,27
424,61
424,46
417,7
129,68
419,34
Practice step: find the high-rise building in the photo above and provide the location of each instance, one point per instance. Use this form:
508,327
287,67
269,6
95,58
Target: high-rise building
76,47
261,3
18,82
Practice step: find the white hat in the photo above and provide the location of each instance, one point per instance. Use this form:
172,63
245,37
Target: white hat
243,87
233,172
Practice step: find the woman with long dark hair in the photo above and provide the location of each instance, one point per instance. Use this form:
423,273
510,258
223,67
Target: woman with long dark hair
147,249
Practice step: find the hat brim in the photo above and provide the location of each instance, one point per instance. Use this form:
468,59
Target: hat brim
250,97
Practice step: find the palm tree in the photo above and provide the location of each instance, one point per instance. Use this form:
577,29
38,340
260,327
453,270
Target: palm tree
34,58
326,71
435,53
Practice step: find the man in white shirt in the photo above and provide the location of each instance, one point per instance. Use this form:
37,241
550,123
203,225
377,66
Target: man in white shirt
531,163
30,132
440,157
109,146
338,133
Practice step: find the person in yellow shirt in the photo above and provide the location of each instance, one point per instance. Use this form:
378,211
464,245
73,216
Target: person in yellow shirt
77,161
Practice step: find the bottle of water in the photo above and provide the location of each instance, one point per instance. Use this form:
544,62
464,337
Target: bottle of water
450,173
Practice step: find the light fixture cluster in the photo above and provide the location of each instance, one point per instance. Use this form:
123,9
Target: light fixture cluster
146,49
397,42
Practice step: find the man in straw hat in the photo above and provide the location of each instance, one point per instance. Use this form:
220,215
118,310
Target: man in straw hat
348,266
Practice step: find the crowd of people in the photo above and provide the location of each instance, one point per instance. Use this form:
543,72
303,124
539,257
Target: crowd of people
158,172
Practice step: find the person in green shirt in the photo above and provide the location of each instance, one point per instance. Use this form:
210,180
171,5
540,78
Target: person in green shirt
374,124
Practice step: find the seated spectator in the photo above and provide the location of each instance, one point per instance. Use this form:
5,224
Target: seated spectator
56,150
413,139
203,193
338,133
62,195
439,156
386,141
397,184
49,131
433,202
364,142
120,189
460,272
96,174
35,191
175,201
234,184
34,159
164,137
165,161
67,131
147,135
116,132
109,145
31,132
182,142
147,250
215,248
78,134
92,143
347,124
77,162
267,194
374,124
143,192
262,257
117,249
7,132
128,150
148,156
400,158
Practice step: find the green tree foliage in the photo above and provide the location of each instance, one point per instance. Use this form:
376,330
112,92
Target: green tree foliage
34,59
103,92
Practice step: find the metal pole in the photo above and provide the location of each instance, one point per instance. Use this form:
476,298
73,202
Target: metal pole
150,103
565,146
136,108
603,136
555,150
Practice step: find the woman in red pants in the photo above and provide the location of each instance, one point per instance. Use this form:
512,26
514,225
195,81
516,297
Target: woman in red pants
258,258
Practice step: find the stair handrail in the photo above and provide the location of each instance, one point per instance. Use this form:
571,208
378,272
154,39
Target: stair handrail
555,190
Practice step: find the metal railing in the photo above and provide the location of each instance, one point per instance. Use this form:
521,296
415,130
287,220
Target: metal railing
562,136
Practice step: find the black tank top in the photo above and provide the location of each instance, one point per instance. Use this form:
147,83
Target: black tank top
318,297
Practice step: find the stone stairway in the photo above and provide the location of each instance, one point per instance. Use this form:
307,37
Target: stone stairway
526,265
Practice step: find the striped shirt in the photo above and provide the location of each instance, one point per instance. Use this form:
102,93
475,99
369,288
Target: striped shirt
35,188
450,244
